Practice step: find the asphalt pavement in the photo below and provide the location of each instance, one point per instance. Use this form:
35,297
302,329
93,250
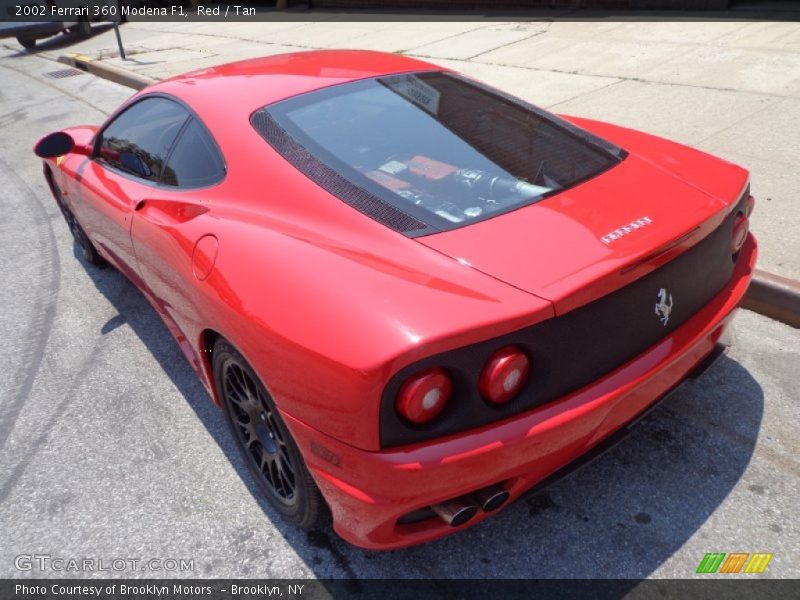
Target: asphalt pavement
110,448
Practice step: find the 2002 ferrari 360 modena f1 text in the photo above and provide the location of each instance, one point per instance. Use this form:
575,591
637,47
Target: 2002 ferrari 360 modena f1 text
414,296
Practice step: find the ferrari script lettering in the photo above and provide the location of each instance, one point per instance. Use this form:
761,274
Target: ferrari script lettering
625,230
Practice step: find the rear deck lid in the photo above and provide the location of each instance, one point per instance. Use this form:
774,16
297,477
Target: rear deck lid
590,240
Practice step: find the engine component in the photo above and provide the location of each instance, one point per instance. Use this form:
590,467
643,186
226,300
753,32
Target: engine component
473,211
387,181
493,186
413,195
393,167
430,169
451,212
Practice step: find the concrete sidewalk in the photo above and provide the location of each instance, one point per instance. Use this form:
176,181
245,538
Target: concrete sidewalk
731,88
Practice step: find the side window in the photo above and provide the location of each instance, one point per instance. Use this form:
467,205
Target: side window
138,141
195,161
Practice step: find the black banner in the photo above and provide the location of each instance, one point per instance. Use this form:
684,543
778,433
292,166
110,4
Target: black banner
397,589
71,11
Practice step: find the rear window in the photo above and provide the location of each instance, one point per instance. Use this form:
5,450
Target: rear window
427,152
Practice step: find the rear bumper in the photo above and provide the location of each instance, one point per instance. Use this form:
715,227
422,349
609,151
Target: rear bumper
369,491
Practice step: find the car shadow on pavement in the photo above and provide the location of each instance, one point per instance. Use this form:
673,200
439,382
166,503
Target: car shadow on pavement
621,516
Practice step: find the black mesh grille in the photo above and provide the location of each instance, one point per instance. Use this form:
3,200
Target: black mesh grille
573,350
331,181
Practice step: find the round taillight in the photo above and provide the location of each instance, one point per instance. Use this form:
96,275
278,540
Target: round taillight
740,228
504,375
424,395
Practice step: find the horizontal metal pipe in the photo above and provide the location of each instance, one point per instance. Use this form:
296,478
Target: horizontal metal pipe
491,498
455,512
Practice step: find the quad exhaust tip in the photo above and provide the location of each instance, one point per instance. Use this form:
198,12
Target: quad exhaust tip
491,498
458,511
455,512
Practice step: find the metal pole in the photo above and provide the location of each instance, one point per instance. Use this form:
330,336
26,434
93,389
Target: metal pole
119,41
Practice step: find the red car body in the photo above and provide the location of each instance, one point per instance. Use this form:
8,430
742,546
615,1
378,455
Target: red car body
330,306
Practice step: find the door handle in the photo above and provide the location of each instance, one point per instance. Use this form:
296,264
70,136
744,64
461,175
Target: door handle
168,212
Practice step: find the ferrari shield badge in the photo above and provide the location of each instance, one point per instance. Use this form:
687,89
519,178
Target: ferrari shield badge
664,306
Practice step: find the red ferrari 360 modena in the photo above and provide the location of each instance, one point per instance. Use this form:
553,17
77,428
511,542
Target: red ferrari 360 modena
415,297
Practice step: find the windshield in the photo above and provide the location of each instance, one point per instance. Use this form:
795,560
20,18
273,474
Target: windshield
433,146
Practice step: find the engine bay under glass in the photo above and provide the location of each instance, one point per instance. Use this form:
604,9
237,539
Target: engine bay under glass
440,147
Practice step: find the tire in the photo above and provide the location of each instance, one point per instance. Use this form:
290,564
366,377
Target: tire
264,441
89,252
84,28
27,43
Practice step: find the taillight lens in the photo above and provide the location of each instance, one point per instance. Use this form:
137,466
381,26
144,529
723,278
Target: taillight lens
424,395
740,228
504,375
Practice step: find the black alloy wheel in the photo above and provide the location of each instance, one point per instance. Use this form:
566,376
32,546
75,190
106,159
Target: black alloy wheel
90,253
264,440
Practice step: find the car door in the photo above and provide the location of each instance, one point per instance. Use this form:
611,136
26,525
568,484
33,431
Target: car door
130,152
173,234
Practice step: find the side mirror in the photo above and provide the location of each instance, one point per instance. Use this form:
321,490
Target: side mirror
59,144
133,163
53,145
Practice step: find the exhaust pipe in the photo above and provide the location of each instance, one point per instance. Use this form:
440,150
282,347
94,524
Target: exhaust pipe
455,512
491,498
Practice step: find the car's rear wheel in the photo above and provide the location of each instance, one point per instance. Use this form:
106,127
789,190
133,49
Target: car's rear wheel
27,43
264,440
90,253
84,28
